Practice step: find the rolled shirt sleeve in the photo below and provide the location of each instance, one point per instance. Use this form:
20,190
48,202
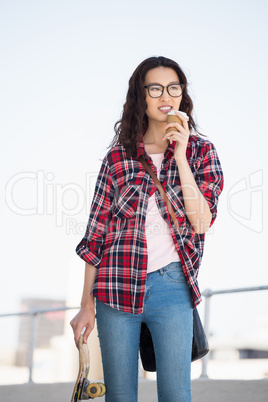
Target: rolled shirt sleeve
210,178
90,248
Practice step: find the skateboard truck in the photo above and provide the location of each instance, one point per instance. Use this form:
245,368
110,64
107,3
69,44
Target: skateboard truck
84,394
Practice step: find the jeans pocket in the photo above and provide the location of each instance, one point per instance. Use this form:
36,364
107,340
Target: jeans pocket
175,274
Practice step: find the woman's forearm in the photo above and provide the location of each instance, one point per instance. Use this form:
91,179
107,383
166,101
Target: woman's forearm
86,316
196,206
87,300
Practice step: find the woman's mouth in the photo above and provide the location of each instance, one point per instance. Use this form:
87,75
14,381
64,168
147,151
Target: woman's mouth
165,109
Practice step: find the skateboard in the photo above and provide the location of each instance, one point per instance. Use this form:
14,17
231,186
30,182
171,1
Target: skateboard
83,389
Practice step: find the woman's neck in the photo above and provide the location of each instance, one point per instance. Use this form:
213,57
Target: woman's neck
155,132
153,138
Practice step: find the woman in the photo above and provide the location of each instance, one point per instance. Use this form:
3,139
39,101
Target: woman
139,266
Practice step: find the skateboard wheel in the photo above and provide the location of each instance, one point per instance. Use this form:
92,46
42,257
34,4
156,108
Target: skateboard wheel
94,390
103,388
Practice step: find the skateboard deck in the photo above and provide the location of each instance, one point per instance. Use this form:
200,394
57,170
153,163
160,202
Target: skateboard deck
83,389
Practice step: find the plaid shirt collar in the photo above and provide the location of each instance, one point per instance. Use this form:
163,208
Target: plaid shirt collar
169,152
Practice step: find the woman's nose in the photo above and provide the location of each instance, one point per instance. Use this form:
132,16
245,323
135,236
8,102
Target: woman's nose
165,94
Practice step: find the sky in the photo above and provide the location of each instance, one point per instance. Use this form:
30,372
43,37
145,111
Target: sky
56,125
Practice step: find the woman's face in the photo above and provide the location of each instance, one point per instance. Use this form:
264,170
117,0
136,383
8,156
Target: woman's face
158,108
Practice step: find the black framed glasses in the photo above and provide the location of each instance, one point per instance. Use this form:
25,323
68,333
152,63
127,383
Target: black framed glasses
156,90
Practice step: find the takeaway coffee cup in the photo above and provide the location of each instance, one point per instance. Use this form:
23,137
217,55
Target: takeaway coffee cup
172,117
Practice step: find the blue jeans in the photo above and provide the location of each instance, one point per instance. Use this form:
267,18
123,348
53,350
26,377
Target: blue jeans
169,316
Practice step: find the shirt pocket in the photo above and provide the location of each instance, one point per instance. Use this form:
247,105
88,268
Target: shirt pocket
127,203
176,199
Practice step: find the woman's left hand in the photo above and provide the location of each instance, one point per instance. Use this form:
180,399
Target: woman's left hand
181,136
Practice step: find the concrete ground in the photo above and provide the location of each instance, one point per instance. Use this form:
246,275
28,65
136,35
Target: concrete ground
202,391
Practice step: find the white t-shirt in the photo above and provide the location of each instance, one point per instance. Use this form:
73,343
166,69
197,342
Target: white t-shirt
160,246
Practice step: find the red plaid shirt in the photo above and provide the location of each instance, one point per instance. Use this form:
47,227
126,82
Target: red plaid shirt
115,240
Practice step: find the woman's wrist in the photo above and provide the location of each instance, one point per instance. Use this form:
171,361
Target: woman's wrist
88,304
182,162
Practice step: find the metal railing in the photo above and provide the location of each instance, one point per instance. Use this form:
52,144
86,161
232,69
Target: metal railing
35,313
207,294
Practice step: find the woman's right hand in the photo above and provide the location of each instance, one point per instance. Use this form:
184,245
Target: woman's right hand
84,318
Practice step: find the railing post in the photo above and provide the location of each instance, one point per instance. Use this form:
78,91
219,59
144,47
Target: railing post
32,345
207,294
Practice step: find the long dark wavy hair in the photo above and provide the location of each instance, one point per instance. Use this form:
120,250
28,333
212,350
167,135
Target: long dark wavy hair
130,129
